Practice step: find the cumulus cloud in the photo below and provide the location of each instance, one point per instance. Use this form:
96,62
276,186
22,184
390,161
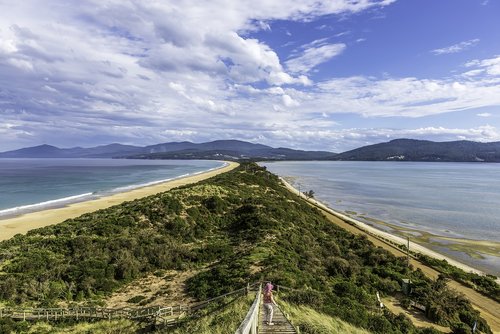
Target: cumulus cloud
455,48
289,102
146,72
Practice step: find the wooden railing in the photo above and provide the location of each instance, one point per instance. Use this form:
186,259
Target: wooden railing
155,314
97,313
250,323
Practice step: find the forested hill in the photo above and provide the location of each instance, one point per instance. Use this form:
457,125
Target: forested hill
424,150
218,150
241,226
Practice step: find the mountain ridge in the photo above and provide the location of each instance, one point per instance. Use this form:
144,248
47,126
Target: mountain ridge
402,149
424,150
218,149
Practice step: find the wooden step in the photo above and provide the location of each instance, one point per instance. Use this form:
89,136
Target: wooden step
281,323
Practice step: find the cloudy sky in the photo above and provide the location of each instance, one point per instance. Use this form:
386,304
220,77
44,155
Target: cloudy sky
330,75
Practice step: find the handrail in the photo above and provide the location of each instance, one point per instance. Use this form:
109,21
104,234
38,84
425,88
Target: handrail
85,312
250,323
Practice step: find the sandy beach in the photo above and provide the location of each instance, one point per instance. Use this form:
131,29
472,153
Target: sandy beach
21,224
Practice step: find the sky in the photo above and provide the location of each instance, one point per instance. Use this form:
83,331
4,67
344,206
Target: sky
305,74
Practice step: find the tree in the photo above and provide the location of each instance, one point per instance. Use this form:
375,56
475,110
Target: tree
309,193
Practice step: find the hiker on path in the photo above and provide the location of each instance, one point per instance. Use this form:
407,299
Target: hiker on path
268,303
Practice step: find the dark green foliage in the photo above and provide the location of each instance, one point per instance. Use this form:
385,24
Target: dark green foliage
424,150
484,284
8,325
238,227
136,299
214,204
461,328
309,193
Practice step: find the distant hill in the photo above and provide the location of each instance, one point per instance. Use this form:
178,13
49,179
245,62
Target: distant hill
228,150
395,150
219,149
423,150
48,151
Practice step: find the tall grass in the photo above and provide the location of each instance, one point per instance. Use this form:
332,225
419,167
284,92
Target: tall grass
223,319
101,327
313,322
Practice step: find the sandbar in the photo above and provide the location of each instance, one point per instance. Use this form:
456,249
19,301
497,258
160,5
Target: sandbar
22,224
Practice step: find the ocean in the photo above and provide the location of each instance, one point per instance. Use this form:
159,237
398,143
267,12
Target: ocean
28,185
452,208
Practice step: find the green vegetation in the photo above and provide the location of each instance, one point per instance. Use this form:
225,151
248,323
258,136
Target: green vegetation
224,317
241,227
311,321
483,284
102,327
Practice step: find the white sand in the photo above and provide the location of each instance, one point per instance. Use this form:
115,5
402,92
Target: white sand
22,224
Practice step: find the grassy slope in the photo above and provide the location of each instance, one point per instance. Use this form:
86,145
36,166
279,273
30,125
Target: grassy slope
311,321
244,226
217,319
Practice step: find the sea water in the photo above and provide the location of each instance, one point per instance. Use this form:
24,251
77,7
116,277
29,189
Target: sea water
456,200
28,185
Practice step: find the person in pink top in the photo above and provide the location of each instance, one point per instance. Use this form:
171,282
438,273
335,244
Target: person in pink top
268,303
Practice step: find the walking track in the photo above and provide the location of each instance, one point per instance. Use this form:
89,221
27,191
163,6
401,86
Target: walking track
281,323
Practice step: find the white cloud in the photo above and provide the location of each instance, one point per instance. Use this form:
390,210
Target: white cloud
313,56
147,72
491,65
459,47
472,73
289,102
408,97
484,114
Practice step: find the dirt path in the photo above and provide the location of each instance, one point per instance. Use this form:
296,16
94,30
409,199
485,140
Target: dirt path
416,316
489,309
167,289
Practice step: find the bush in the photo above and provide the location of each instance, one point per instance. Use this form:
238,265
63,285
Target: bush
460,328
136,299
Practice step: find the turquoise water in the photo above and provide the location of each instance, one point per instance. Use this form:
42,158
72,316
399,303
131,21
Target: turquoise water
457,200
35,184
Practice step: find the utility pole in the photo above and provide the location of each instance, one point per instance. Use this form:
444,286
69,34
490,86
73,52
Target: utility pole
408,251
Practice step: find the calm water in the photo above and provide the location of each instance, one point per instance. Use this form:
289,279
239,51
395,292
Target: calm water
458,200
34,184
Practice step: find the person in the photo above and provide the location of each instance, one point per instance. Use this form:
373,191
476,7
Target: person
269,301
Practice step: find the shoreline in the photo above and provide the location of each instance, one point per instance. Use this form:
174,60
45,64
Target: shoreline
414,247
21,224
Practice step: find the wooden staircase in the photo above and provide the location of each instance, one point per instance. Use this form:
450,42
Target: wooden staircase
281,323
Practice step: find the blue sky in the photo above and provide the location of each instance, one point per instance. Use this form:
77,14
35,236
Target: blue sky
332,75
